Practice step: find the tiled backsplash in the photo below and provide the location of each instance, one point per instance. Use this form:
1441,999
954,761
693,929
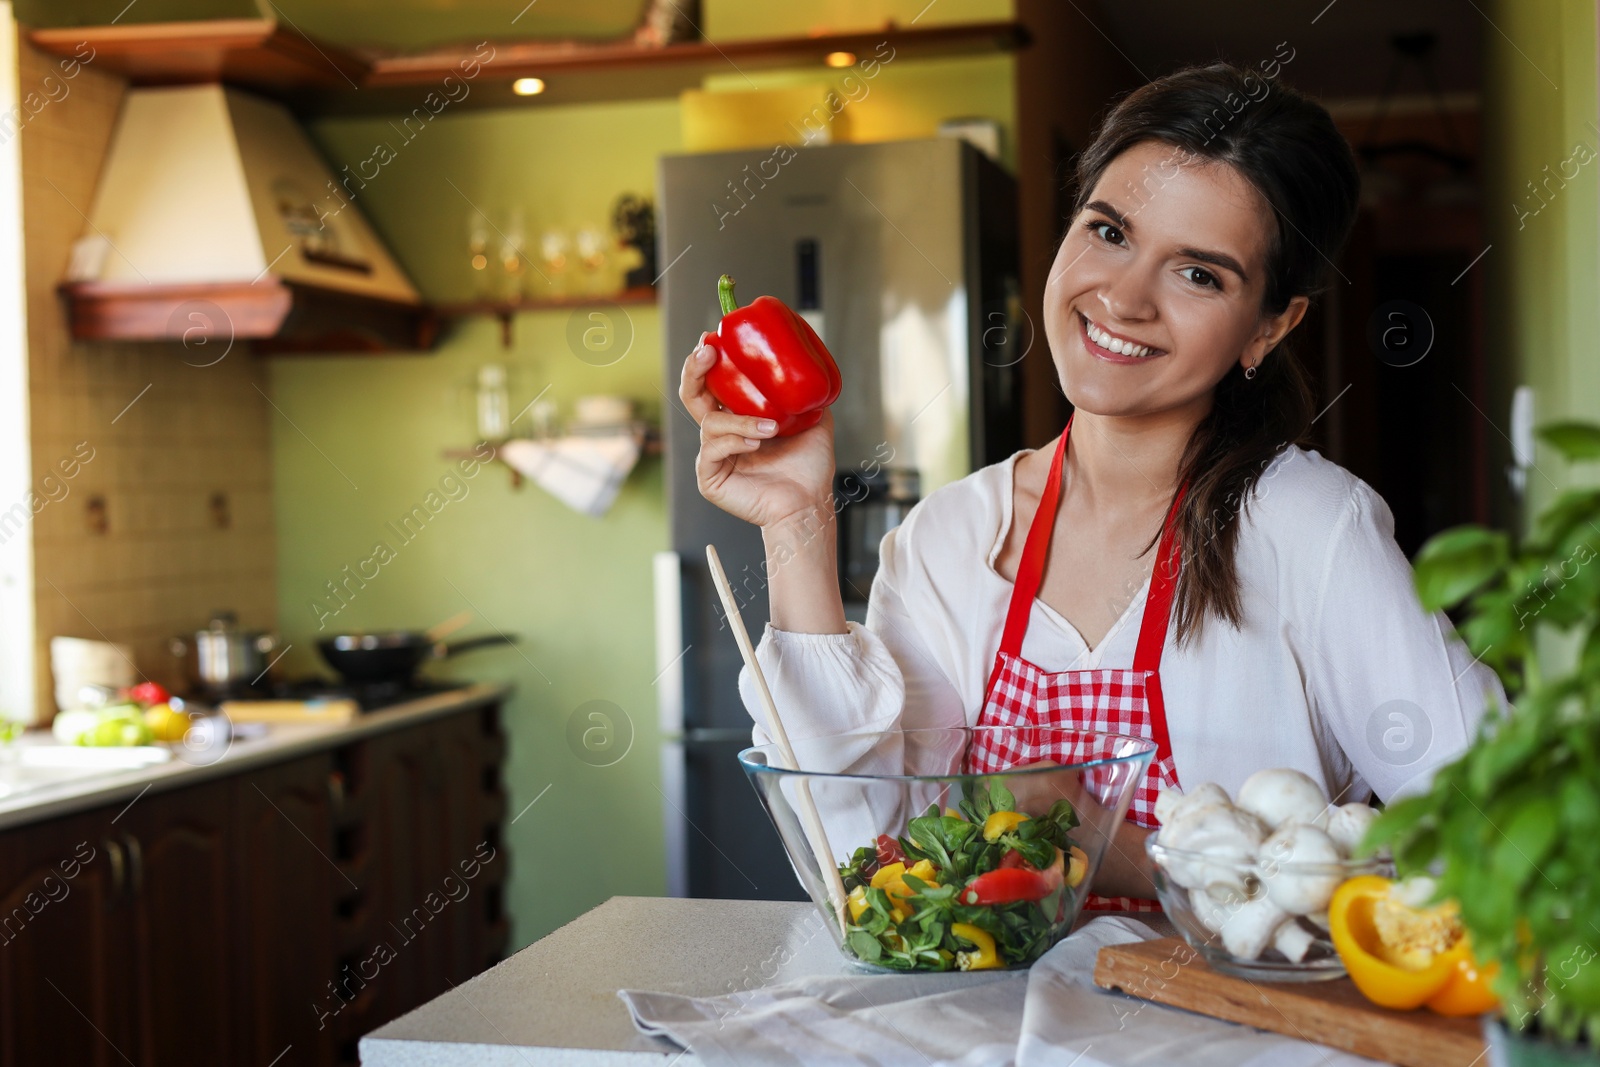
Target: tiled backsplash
170,517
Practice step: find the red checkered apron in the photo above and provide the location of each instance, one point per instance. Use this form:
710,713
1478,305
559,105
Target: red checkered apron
1105,701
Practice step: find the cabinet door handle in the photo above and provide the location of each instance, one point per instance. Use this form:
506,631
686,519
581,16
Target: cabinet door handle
135,862
336,793
119,867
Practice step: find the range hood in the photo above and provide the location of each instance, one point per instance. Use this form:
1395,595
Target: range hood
216,218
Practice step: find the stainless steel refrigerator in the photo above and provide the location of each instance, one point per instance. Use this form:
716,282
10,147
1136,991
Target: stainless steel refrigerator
903,256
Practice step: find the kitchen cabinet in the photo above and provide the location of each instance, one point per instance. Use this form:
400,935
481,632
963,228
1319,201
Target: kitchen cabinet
63,981
240,919
282,812
176,901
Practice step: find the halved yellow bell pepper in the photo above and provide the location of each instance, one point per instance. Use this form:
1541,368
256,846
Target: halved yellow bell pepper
1002,822
1425,960
984,958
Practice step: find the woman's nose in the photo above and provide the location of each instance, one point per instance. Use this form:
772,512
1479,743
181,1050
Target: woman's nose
1127,295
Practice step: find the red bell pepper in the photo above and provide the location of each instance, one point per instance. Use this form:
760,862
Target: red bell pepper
1007,885
770,363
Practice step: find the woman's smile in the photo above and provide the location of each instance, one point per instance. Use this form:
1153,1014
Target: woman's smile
1114,347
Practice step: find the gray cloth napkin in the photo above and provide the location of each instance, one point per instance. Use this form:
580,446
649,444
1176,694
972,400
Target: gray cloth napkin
1049,1016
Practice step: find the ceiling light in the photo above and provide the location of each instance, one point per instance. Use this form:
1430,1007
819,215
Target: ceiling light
840,59
528,86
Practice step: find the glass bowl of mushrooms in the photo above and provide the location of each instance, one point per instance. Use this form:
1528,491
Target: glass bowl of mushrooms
1247,879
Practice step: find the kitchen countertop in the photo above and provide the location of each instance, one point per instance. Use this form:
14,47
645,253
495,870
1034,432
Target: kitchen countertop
554,1004
283,741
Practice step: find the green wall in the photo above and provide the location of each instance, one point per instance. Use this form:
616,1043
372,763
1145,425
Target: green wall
1542,275
577,590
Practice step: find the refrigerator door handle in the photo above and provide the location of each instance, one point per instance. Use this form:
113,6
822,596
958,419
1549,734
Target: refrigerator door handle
670,654
670,649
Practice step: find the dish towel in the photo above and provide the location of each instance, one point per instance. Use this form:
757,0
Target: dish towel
585,472
1049,1016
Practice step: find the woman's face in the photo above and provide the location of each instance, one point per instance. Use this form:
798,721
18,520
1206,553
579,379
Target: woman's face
1156,291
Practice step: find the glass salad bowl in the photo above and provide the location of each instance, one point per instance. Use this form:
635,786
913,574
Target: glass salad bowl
917,866
1259,918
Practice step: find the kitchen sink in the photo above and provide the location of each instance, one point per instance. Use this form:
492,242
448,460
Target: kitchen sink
26,768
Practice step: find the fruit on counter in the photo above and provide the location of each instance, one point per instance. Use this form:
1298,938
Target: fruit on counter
1403,952
148,694
166,723
770,363
980,887
115,724
1256,867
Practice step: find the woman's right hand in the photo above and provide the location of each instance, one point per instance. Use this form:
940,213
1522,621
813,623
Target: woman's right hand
742,467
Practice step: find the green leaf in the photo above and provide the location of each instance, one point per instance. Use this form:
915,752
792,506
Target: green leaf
865,946
1001,798
1576,441
1529,834
1454,563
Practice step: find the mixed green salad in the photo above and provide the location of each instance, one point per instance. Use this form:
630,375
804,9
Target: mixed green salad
982,887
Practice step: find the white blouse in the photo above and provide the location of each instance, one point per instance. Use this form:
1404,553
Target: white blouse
1336,669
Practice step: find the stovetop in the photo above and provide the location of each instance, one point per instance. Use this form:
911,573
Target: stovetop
370,696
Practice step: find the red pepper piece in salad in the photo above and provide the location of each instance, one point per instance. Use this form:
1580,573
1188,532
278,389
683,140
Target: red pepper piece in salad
770,363
1006,885
889,851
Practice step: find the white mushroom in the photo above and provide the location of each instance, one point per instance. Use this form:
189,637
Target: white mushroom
1248,931
1282,795
1171,802
1299,892
1208,912
1348,825
1293,940
1226,836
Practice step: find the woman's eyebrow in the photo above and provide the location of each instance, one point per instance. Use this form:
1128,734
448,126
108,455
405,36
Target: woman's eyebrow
1111,213
1216,259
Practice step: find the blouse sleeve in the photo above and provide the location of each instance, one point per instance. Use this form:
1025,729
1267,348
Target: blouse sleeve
1395,685
880,676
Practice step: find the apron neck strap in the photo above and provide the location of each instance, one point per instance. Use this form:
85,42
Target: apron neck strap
1163,582
1030,571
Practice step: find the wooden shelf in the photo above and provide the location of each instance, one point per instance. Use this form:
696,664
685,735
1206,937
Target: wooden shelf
254,54
507,310
317,78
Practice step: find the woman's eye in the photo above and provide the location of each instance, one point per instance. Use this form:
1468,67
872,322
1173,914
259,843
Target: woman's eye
1106,232
1202,277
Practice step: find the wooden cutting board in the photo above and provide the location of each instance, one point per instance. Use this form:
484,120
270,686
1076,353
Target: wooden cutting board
1333,1013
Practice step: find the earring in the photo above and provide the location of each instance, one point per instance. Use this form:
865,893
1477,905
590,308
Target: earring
1249,373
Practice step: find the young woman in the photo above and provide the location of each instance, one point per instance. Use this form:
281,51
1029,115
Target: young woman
1176,565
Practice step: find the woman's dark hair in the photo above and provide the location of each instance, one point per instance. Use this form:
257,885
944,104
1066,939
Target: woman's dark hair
1287,147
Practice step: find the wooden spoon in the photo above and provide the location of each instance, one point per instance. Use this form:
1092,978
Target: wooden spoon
816,835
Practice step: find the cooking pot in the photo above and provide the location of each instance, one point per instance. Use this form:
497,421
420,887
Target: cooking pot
393,656
223,656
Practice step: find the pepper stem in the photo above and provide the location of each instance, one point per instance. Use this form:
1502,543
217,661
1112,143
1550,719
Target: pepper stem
725,295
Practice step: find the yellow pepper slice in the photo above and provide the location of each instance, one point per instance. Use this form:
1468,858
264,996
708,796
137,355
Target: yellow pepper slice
886,874
858,903
1400,973
1001,822
925,870
984,958
952,813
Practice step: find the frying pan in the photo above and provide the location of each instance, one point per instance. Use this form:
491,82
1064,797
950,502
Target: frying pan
393,656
